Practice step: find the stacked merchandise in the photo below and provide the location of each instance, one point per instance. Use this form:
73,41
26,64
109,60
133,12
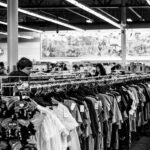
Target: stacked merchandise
26,125
136,68
16,127
87,116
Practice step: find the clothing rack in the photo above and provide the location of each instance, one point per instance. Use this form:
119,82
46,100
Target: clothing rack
101,81
105,81
89,80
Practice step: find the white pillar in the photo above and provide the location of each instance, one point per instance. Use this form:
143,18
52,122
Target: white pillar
123,45
123,32
12,29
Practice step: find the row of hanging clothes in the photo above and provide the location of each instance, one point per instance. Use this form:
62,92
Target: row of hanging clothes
79,115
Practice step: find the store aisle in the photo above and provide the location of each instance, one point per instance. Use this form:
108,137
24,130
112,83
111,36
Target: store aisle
142,144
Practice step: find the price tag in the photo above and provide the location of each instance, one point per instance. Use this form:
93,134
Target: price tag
17,98
81,108
21,105
25,97
119,99
73,106
100,103
96,105
66,115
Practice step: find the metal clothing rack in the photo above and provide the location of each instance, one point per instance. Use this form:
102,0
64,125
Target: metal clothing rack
101,81
105,80
97,80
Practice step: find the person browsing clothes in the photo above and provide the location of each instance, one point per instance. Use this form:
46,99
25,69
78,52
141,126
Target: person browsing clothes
24,67
100,70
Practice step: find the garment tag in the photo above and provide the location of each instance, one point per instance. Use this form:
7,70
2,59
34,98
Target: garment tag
73,106
25,97
100,103
96,105
18,98
66,115
21,105
81,108
119,99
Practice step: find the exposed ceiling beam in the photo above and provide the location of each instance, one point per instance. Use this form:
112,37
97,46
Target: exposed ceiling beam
137,14
93,12
83,16
106,13
64,7
92,26
44,18
47,13
73,7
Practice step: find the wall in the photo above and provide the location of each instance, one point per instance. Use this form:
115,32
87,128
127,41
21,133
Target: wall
30,50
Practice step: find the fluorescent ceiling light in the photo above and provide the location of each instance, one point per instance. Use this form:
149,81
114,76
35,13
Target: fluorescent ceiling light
89,21
99,15
26,37
22,27
20,36
30,29
129,20
45,18
148,1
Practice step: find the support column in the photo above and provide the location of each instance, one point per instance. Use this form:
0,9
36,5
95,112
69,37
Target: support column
123,32
12,29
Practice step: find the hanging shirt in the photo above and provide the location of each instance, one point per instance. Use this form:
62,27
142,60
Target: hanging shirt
70,124
51,133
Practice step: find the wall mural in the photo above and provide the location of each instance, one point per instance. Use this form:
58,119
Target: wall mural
1,51
138,42
81,44
97,43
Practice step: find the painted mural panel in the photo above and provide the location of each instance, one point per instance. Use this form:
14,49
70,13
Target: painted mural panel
81,44
138,42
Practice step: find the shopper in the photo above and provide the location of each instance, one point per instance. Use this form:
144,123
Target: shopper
116,67
65,67
100,70
75,68
24,67
2,69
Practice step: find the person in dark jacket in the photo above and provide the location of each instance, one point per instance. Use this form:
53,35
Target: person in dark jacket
100,70
2,69
24,67
116,67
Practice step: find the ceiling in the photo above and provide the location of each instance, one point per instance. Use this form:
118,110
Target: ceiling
137,10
